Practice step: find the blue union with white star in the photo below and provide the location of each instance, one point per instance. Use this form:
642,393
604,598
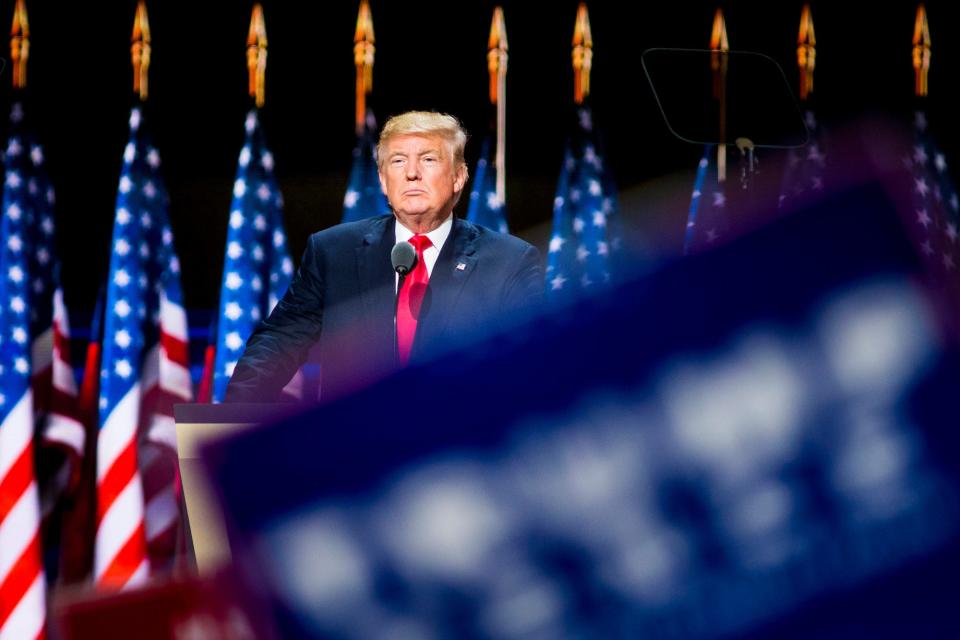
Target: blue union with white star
486,208
364,198
142,265
256,267
27,264
586,232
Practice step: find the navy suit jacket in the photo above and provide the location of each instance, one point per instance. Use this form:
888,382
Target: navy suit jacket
343,299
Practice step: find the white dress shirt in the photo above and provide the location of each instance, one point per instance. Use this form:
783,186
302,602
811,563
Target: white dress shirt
438,236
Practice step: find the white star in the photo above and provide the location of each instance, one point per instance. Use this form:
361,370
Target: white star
599,220
258,253
175,264
585,281
278,238
578,224
602,249
125,184
712,235
719,199
557,283
32,186
47,225
558,202
51,196
263,192
144,250
234,250
149,190
256,283
585,120
153,158
236,219
266,159
122,247
121,278
239,188
13,179
582,254
703,163
229,367
920,121
122,338
952,231
15,243
255,312
594,188
19,335
556,243
234,281
574,195
129,153
135,119
233,311
233,341
350,198
15,274
13,211
21,366
16,114
167,236
923,218
919,155
146,220
921,187
123,216
123,369
103,402
287,266
259,222
36,155
493,202
940,162
122,308
244,156
13,147
251,122
926,248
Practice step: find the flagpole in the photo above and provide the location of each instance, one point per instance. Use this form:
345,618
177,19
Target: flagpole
720,47
257,56
806,52
921,52
140,50
363,56
497,66
20,45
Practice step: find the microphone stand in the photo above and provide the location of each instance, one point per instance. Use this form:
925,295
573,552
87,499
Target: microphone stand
396,306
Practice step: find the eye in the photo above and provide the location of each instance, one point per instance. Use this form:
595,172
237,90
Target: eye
396,161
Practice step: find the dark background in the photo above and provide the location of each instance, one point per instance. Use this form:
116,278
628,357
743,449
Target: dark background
429,55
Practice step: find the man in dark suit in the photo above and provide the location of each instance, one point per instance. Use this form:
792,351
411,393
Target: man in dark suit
467,279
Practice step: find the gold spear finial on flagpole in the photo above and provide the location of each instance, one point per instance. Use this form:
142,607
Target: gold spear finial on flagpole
140,50
921,51
497,66
720,48
582,55
257,56
806,52
363,54
20,45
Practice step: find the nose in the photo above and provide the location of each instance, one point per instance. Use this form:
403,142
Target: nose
413,169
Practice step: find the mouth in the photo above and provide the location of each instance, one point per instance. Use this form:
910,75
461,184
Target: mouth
414,192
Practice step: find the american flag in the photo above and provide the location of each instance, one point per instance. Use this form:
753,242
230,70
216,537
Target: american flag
806,167
936,208
37,390
144,370
707,218
364,198
585,235
486,208
256,267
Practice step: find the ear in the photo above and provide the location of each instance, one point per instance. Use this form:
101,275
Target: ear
460,179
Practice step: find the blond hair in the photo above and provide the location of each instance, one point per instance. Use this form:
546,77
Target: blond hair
425,122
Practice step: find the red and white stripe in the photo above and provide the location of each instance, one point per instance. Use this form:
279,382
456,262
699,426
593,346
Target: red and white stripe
166,381
120,550
22,585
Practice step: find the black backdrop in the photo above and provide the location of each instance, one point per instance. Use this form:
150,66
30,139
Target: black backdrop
429,55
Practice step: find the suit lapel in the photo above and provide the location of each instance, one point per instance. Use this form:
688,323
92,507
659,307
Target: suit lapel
453,268
376,278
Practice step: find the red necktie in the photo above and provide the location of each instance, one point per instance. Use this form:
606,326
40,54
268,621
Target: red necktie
414,287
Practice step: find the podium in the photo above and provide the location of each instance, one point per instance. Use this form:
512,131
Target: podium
197,425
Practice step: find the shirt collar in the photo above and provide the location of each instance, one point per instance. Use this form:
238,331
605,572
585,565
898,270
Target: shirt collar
438,236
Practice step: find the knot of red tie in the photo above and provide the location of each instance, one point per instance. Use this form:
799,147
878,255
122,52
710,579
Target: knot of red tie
420,243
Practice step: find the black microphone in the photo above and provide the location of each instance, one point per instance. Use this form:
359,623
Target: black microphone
403,257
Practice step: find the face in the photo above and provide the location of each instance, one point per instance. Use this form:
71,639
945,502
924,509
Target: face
420,181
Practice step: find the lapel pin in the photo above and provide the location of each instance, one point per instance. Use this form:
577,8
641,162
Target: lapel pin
461,266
